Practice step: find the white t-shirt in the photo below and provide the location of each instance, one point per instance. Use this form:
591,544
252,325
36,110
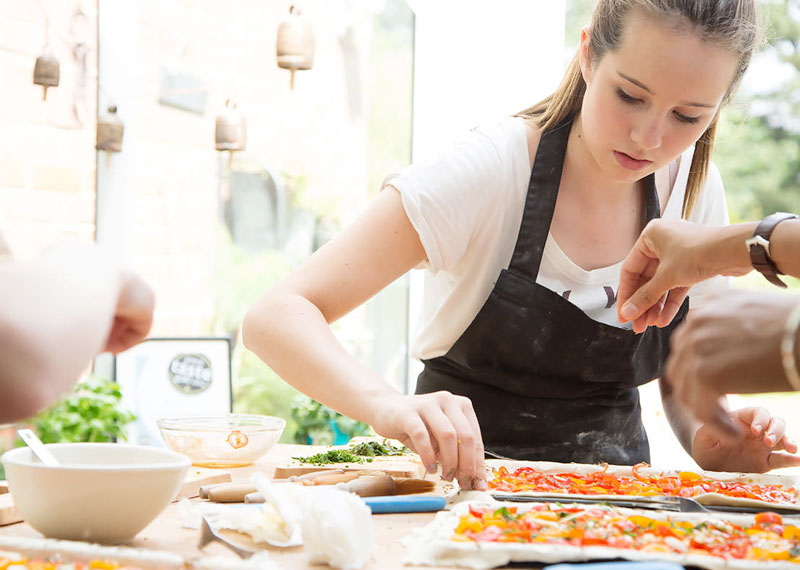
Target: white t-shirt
466,206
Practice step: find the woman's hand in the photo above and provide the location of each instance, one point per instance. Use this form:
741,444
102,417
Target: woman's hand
440,427
758,451
729,346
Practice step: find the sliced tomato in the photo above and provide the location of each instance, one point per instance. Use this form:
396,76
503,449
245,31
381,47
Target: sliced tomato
768,517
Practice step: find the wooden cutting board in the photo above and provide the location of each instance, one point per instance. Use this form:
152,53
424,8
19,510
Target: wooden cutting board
408,465
8,512
396,466
199,476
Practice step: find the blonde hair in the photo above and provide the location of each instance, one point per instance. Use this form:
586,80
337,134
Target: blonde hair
731,24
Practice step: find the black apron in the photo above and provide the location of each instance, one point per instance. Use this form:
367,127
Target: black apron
548,382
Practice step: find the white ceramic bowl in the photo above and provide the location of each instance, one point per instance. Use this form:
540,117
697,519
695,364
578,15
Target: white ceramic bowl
101,492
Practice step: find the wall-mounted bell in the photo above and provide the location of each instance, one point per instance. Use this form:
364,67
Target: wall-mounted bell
109,131
295,46
46,72
230,131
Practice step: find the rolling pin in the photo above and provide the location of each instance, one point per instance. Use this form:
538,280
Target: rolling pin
230,492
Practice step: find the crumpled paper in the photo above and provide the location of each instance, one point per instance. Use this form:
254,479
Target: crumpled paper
261,522
336,525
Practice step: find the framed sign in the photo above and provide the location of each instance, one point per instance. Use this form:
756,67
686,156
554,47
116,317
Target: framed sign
173,377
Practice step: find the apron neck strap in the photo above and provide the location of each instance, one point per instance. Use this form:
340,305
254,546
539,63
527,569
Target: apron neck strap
540,202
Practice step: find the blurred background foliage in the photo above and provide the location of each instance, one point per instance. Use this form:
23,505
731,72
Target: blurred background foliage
242,275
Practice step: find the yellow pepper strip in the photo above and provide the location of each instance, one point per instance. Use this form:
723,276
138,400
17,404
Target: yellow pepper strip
103,565
547,516
468,522
759,532
640,520
791,532
689,476
762,554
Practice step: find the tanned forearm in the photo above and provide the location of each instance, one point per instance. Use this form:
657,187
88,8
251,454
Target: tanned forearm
728,250
278,328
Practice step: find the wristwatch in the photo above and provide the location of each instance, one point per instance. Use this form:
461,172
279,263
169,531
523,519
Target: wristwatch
759,247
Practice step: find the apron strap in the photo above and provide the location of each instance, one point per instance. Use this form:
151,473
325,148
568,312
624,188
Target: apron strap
540,202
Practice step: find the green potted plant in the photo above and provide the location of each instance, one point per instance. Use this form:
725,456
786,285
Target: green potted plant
320,425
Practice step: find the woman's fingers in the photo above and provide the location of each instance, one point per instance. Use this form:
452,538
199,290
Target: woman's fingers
455,437
479,480
465,441
420,441
444,434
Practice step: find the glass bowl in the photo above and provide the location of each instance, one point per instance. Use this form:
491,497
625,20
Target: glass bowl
224,440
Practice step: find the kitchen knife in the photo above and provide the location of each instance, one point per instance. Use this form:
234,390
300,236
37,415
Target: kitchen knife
650,565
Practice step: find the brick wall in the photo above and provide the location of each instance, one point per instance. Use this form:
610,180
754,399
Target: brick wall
47,158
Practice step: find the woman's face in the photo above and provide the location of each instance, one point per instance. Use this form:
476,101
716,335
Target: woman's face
652,98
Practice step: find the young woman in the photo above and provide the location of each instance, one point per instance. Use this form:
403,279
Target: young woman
522,227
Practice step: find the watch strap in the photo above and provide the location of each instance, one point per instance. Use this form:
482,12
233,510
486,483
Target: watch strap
759,254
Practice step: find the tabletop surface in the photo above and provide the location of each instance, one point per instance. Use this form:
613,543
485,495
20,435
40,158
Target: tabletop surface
166,532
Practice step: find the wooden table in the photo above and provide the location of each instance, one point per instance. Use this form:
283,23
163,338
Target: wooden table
166,532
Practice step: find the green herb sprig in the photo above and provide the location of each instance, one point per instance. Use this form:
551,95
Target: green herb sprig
357,453
334,456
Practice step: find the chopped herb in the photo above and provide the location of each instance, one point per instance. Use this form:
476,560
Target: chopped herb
358,453
376,448
333,456
504,512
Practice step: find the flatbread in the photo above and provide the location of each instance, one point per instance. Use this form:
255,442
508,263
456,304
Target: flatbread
126,556
787,483
434,544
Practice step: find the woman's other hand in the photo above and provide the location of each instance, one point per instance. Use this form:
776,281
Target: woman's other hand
763,447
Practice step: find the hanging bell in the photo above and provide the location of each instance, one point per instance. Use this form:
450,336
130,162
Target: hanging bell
295,46
230,131
109,131
46,72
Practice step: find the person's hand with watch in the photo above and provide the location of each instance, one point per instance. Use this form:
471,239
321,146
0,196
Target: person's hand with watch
672,255
740,341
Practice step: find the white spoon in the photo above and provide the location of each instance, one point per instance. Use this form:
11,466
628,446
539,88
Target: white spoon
38,448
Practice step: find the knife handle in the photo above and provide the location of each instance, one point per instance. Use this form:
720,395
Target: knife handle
650,565
404,504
